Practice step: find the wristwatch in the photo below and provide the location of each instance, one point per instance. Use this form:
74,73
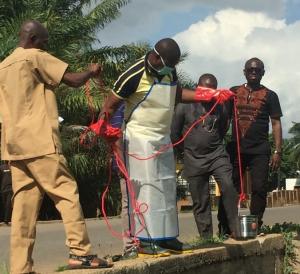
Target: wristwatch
277,152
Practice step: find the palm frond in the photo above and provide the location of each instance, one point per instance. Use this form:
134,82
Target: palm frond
72,38
104,13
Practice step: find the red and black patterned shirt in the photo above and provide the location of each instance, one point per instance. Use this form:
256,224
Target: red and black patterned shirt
254,110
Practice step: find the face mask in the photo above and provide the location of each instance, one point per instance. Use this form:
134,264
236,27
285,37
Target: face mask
165,70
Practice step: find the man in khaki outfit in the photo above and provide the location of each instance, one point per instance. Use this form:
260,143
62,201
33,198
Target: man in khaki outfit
31,142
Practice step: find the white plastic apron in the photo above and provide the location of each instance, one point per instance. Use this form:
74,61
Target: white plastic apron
154,180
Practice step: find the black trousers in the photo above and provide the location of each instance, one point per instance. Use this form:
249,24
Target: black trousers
221,169
259,171
258,165
7,205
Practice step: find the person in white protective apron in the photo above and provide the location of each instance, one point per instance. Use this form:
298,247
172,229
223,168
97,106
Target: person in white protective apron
150,89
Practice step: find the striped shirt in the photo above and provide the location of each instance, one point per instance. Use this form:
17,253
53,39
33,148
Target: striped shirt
134,84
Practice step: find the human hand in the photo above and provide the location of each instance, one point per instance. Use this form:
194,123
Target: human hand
204,94
275,161
223,95
105,130
95,69
207,94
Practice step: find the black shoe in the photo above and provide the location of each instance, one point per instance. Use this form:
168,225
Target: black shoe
151,249
175,246
129,254
223,230
260,228
260,232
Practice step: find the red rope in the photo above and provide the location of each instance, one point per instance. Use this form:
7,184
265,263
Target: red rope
135,205
166,147
83,136
89,100
242,196
113,133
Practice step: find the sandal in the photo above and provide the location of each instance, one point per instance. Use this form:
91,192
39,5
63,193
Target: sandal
88,262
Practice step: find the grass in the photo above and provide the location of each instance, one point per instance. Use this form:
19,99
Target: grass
3,268
288,231
199,242
61,268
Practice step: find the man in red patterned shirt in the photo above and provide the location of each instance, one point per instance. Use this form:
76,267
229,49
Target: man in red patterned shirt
256,106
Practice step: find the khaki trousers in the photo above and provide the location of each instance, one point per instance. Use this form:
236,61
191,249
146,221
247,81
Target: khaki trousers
32,178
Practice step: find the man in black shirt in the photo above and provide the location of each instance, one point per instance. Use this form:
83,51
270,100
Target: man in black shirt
205,155
256,106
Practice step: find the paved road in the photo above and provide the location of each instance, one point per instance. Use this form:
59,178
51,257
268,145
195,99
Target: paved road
50,251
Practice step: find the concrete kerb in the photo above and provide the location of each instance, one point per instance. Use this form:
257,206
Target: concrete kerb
230,251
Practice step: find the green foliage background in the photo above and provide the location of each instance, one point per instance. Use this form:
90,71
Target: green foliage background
73,27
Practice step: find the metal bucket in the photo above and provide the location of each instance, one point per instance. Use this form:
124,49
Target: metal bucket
249,226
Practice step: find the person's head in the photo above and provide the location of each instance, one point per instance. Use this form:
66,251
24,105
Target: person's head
254,71
208,80
164,56
33,35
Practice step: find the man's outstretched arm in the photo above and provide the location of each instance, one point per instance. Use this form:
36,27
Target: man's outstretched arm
77,79
202,94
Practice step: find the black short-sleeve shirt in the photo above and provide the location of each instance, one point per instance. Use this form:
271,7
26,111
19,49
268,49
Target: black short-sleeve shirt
254,110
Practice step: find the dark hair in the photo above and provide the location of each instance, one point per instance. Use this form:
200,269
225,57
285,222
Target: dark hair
168,49
205,76
255,59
